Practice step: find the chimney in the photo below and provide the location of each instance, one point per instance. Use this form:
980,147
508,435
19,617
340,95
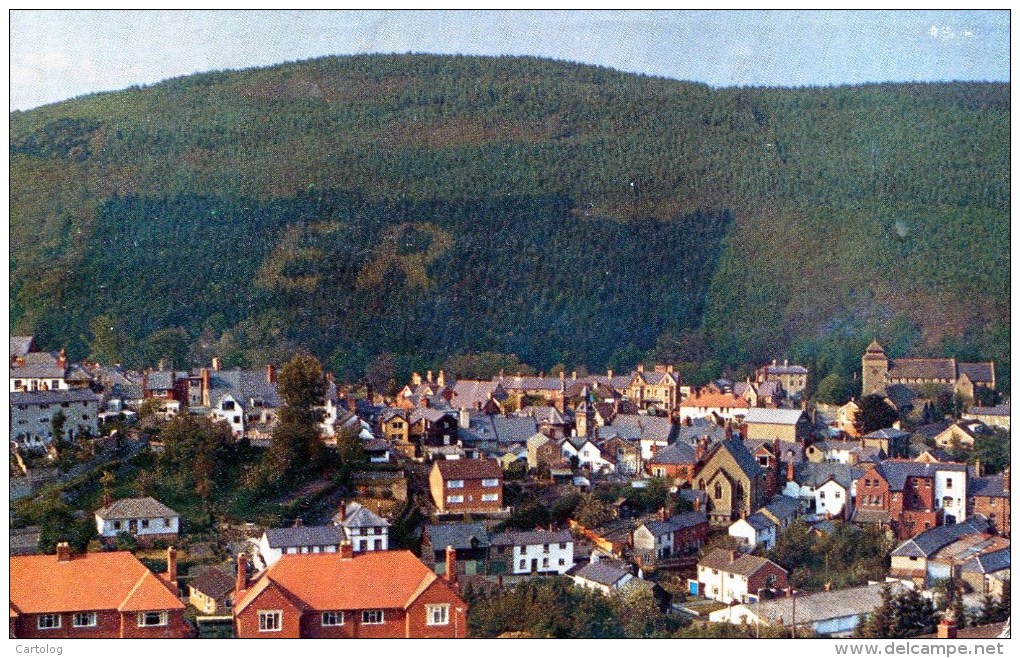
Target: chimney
640,367
1005,479
669,368
63,552
441,380
205,382
729,431
662,514
145,383
428,376
425,401
563,375
298,522
62,359
241,583
216,364
352,405
743,432
161,366
346,550
343,510
451,566
827,587
946,630
687,421
270,373
609,373
979,469
734,555
696,504
465,418
790,477
786,362
773,362
415,379
171,565
501,373
573,375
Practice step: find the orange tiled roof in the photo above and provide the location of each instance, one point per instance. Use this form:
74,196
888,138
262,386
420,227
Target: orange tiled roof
325,581
716,400
94,581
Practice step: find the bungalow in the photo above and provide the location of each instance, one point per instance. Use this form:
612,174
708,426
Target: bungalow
276,542
603,577
146,519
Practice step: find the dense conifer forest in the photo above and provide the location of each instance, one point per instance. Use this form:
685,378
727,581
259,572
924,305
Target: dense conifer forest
429,206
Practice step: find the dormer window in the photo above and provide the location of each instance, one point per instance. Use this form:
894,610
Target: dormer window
227,405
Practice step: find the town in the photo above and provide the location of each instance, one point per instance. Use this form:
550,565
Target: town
279,502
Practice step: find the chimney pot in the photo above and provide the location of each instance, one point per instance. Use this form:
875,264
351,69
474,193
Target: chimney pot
428,376
346,550
415,379
241,583
343,510
63,552
298,522
441,380
451,566
270,373
662,514
216,364
734,555
609,374
171,565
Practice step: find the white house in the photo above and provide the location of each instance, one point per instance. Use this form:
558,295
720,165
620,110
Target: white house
365,530
276,542
32,415
143,518
538,552
732,576
602,577
828,488
755,529
951,491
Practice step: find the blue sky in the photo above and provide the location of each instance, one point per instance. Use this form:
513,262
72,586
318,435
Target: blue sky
60,54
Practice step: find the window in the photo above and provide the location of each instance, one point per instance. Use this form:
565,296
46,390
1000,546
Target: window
237,420
524,564
84,619
363,545
116,525
490,498
562,562
152,618
545,548
437,615
455,499
332,619
455,484
490,482
47,622
821,495
270,621
377,545
166,523
563,545
145,523
718,491
949,483
371,617
227,405
836,494
545,563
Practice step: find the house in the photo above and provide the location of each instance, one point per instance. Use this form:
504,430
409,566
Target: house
467,485
892,441
910,497
378,594
914,558
843,452
470,542
781,510
676,535
880,372
602,576
395,428
211,591
656,389
365,530
41,371
145,519
720,406
732,576
754,530
549,420
32,414
539,552
989,496
486,396
997,416
982,572
675,462
95,595
624,454
791,425
960,434
652,433
836,612
534,442
277,542
734,481
792,378
377,451
432,427
828,488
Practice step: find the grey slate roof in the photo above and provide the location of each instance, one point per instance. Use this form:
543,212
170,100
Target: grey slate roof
930,541
322,535
532,538
988,562
742,456
786,370
743,565
458,535
601,573
243,385
135,508
430,414
676,522
992,486
637,426
773,416
783,507
54,397
978,372
997,410
213,582
760,522
38,365
815,475
676,453
21,345
897,472
359,516
510,429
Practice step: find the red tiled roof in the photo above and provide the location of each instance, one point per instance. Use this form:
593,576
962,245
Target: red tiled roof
469,469
716,400
326,581
94,581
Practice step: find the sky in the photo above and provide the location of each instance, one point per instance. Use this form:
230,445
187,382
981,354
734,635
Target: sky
55,55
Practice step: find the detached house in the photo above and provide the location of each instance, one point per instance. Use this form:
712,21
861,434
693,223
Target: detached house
728,576
467,485
95,595
146,519
379,594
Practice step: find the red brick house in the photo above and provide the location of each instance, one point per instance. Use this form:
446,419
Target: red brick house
467,485
96,595
899,495
989,496
378,594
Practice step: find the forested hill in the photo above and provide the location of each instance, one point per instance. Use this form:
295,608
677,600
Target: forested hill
426,206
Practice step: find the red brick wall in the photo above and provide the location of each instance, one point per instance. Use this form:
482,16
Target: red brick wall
873,485
760,578
109,624
1000,507
437,592
246,624
472,492
690,537
914,522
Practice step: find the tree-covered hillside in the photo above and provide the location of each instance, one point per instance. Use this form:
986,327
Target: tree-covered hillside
427,206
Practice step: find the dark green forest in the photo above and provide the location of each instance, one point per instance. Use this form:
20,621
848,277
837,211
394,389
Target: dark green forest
424,207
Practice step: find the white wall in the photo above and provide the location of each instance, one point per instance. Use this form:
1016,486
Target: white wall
831,498
536,551
34,423
156,526
957,492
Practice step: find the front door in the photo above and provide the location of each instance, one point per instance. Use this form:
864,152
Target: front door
534,564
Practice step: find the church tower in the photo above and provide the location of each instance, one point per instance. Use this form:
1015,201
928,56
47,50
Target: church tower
874,369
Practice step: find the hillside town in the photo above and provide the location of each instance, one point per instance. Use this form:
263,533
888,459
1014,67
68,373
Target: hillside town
282,502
